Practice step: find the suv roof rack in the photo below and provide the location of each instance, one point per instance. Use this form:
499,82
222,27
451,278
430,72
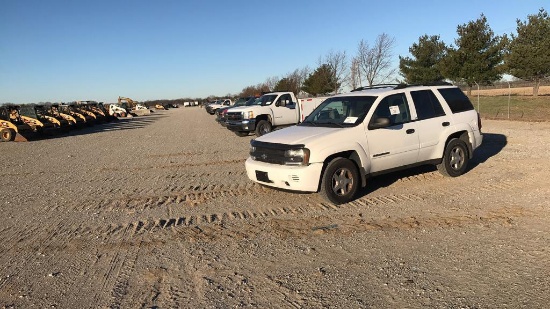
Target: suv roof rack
435,83
376,87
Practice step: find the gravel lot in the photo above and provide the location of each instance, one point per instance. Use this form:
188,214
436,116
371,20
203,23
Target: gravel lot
157,212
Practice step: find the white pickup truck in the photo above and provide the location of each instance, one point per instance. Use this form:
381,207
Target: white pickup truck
374,130
212,108
270,110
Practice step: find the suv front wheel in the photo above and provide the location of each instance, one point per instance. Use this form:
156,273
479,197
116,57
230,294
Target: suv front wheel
455,159
340,181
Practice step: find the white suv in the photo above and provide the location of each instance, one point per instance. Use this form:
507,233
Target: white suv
369,131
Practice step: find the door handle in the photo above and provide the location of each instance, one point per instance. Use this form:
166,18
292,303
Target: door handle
410,131
446,124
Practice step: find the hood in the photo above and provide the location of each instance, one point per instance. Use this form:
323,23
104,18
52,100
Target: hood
239,109
296,135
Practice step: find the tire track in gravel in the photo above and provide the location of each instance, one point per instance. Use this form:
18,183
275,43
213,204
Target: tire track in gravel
174,165
120,267
191,195
29,241
197,224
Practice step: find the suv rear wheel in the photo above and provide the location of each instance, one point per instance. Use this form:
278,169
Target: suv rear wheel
455,159
340,181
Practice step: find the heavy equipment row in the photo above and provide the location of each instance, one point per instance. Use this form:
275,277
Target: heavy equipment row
19,122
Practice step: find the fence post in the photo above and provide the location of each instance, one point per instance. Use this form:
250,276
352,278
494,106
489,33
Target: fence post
478,109
509,94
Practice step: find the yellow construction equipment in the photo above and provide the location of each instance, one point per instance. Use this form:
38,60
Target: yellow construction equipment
12,126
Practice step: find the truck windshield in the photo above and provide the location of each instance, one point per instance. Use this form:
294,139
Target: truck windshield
266,99
340,111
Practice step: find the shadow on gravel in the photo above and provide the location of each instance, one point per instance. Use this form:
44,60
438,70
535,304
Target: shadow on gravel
116,125
491,146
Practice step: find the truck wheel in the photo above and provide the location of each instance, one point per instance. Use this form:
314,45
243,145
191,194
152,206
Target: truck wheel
455,158
123,114
7,135
241,133
340,181
262,128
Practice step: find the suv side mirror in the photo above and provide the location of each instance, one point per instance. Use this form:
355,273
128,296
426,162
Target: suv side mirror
379,123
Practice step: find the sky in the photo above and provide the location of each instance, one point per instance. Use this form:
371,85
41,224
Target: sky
68,50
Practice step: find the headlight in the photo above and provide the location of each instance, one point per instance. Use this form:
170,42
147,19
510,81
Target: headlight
297,156
248,115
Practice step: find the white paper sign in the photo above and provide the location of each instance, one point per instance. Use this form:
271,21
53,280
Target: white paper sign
394,110
350,120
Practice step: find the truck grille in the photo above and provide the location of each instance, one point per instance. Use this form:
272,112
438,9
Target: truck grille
235,116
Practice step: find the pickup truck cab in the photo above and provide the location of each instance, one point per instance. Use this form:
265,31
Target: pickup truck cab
374,130
269,111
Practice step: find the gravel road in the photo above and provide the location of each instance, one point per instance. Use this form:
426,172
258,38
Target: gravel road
157,212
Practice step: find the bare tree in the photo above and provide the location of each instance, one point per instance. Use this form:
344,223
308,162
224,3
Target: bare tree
375,62
354,80
271,82
337,61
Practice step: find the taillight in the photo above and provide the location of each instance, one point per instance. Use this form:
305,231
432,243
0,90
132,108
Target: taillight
479,121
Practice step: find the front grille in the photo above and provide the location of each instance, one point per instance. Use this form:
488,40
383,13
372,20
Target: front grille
269,155
271,152
234,116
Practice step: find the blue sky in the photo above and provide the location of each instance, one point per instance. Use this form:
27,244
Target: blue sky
66,50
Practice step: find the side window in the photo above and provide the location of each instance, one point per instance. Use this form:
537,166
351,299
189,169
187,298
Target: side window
395,108
457,100
284,100
427,105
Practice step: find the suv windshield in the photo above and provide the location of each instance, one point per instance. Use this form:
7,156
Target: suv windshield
340,111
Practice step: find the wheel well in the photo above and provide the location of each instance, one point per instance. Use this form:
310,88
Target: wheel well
462,135
349,154
262,117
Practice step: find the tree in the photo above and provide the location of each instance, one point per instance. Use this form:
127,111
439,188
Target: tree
354,79
321,81
293,81
337,61
284,84
528,54
478,55
271,82
424,66
375,63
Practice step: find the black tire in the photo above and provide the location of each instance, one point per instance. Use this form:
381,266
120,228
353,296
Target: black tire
340,181
455,158
262,128
123,114
241,133
7,135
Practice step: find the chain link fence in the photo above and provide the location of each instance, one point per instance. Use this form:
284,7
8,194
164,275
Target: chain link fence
512,100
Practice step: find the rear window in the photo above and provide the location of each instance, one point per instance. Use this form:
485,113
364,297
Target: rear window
457,100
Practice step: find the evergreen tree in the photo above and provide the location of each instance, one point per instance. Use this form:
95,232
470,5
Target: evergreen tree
478,55
284,84
528,55
322,81
424,66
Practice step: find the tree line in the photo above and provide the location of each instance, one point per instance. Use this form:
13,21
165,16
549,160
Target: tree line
477,57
